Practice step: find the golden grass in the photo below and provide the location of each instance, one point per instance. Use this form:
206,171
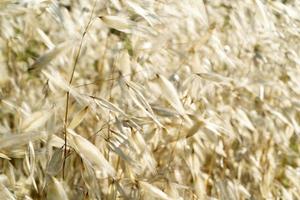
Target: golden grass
149,99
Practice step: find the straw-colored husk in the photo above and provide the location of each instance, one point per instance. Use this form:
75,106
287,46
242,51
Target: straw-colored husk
180,99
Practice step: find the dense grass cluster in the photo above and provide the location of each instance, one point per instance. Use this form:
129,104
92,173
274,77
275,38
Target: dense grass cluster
149,99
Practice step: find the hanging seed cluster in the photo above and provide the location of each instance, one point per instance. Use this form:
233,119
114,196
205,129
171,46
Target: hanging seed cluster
169,99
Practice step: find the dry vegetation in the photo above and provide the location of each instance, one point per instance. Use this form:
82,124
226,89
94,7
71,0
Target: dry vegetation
169,99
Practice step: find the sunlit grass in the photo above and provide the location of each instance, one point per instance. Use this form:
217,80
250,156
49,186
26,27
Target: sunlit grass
149,99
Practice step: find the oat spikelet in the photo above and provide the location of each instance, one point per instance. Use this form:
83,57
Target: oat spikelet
47,57
154,191
117,22
90,153
56,190
5,193
171,94
78,117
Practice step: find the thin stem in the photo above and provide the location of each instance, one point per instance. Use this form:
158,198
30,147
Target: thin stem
70,83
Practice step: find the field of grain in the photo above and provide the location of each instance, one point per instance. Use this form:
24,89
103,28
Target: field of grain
150,99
